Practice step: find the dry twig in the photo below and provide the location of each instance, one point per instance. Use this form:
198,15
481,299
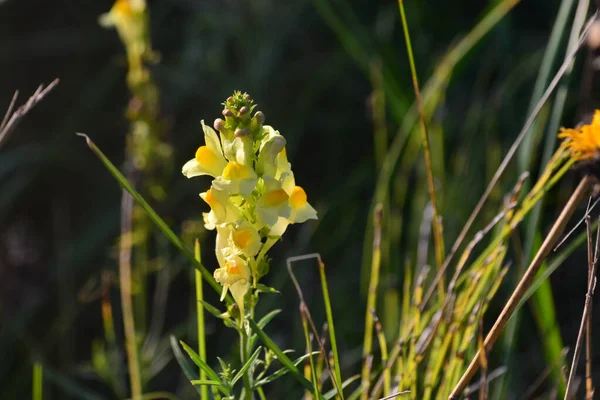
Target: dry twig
11,119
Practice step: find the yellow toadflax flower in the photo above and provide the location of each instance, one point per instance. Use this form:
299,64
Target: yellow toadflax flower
300,209
584,142
273,203
209,158
234,275
222,210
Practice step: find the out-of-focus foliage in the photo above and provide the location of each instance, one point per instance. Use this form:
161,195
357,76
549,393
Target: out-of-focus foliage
59,208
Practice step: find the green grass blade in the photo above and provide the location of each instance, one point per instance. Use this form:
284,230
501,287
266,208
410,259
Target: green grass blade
437,226
187,369
331,394
38,380
156,219
543,301
331,325
433,92
543,78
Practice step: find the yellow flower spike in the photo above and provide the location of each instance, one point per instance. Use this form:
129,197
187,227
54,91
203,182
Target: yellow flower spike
209,159
237,179
130,19
245,239
234,275
274,203
584,142
221,209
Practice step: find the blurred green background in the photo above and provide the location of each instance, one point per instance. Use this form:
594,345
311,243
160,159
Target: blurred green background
313,67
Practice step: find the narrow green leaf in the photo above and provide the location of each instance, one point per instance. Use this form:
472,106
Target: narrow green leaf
330,394
327,301
266,289
246,366
156,219
199,362
205,382
267,318
282,371
281,356
188,370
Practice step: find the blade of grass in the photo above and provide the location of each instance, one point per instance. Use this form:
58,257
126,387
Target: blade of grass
200,315
126,289
525,282
543,300
432,93
437,224
308,340
511,152
184,364
38,380
331,326
156,219
371,303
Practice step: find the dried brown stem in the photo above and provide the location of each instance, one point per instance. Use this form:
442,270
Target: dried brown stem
525,283
511,152
10,121
584,318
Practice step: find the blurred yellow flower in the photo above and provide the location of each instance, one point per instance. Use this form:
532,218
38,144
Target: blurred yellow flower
584,142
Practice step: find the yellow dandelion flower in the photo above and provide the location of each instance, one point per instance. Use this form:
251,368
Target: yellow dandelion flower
583,142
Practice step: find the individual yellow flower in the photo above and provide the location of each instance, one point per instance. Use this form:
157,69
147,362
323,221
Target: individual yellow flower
209,158
300,209
237,178
584,142
244,239
222,210
234,275
240,150
271,147
274,203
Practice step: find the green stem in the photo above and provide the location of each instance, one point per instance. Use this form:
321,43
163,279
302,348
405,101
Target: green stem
244,355
200,314
38,379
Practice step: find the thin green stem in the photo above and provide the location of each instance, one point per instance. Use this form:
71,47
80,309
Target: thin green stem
125,284
437,225
332,338
200,314
371,304
38,380
244,358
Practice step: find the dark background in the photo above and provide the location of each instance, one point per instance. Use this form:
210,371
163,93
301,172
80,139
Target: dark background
59,207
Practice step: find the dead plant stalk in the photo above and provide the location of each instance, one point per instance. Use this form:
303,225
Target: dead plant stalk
525,283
